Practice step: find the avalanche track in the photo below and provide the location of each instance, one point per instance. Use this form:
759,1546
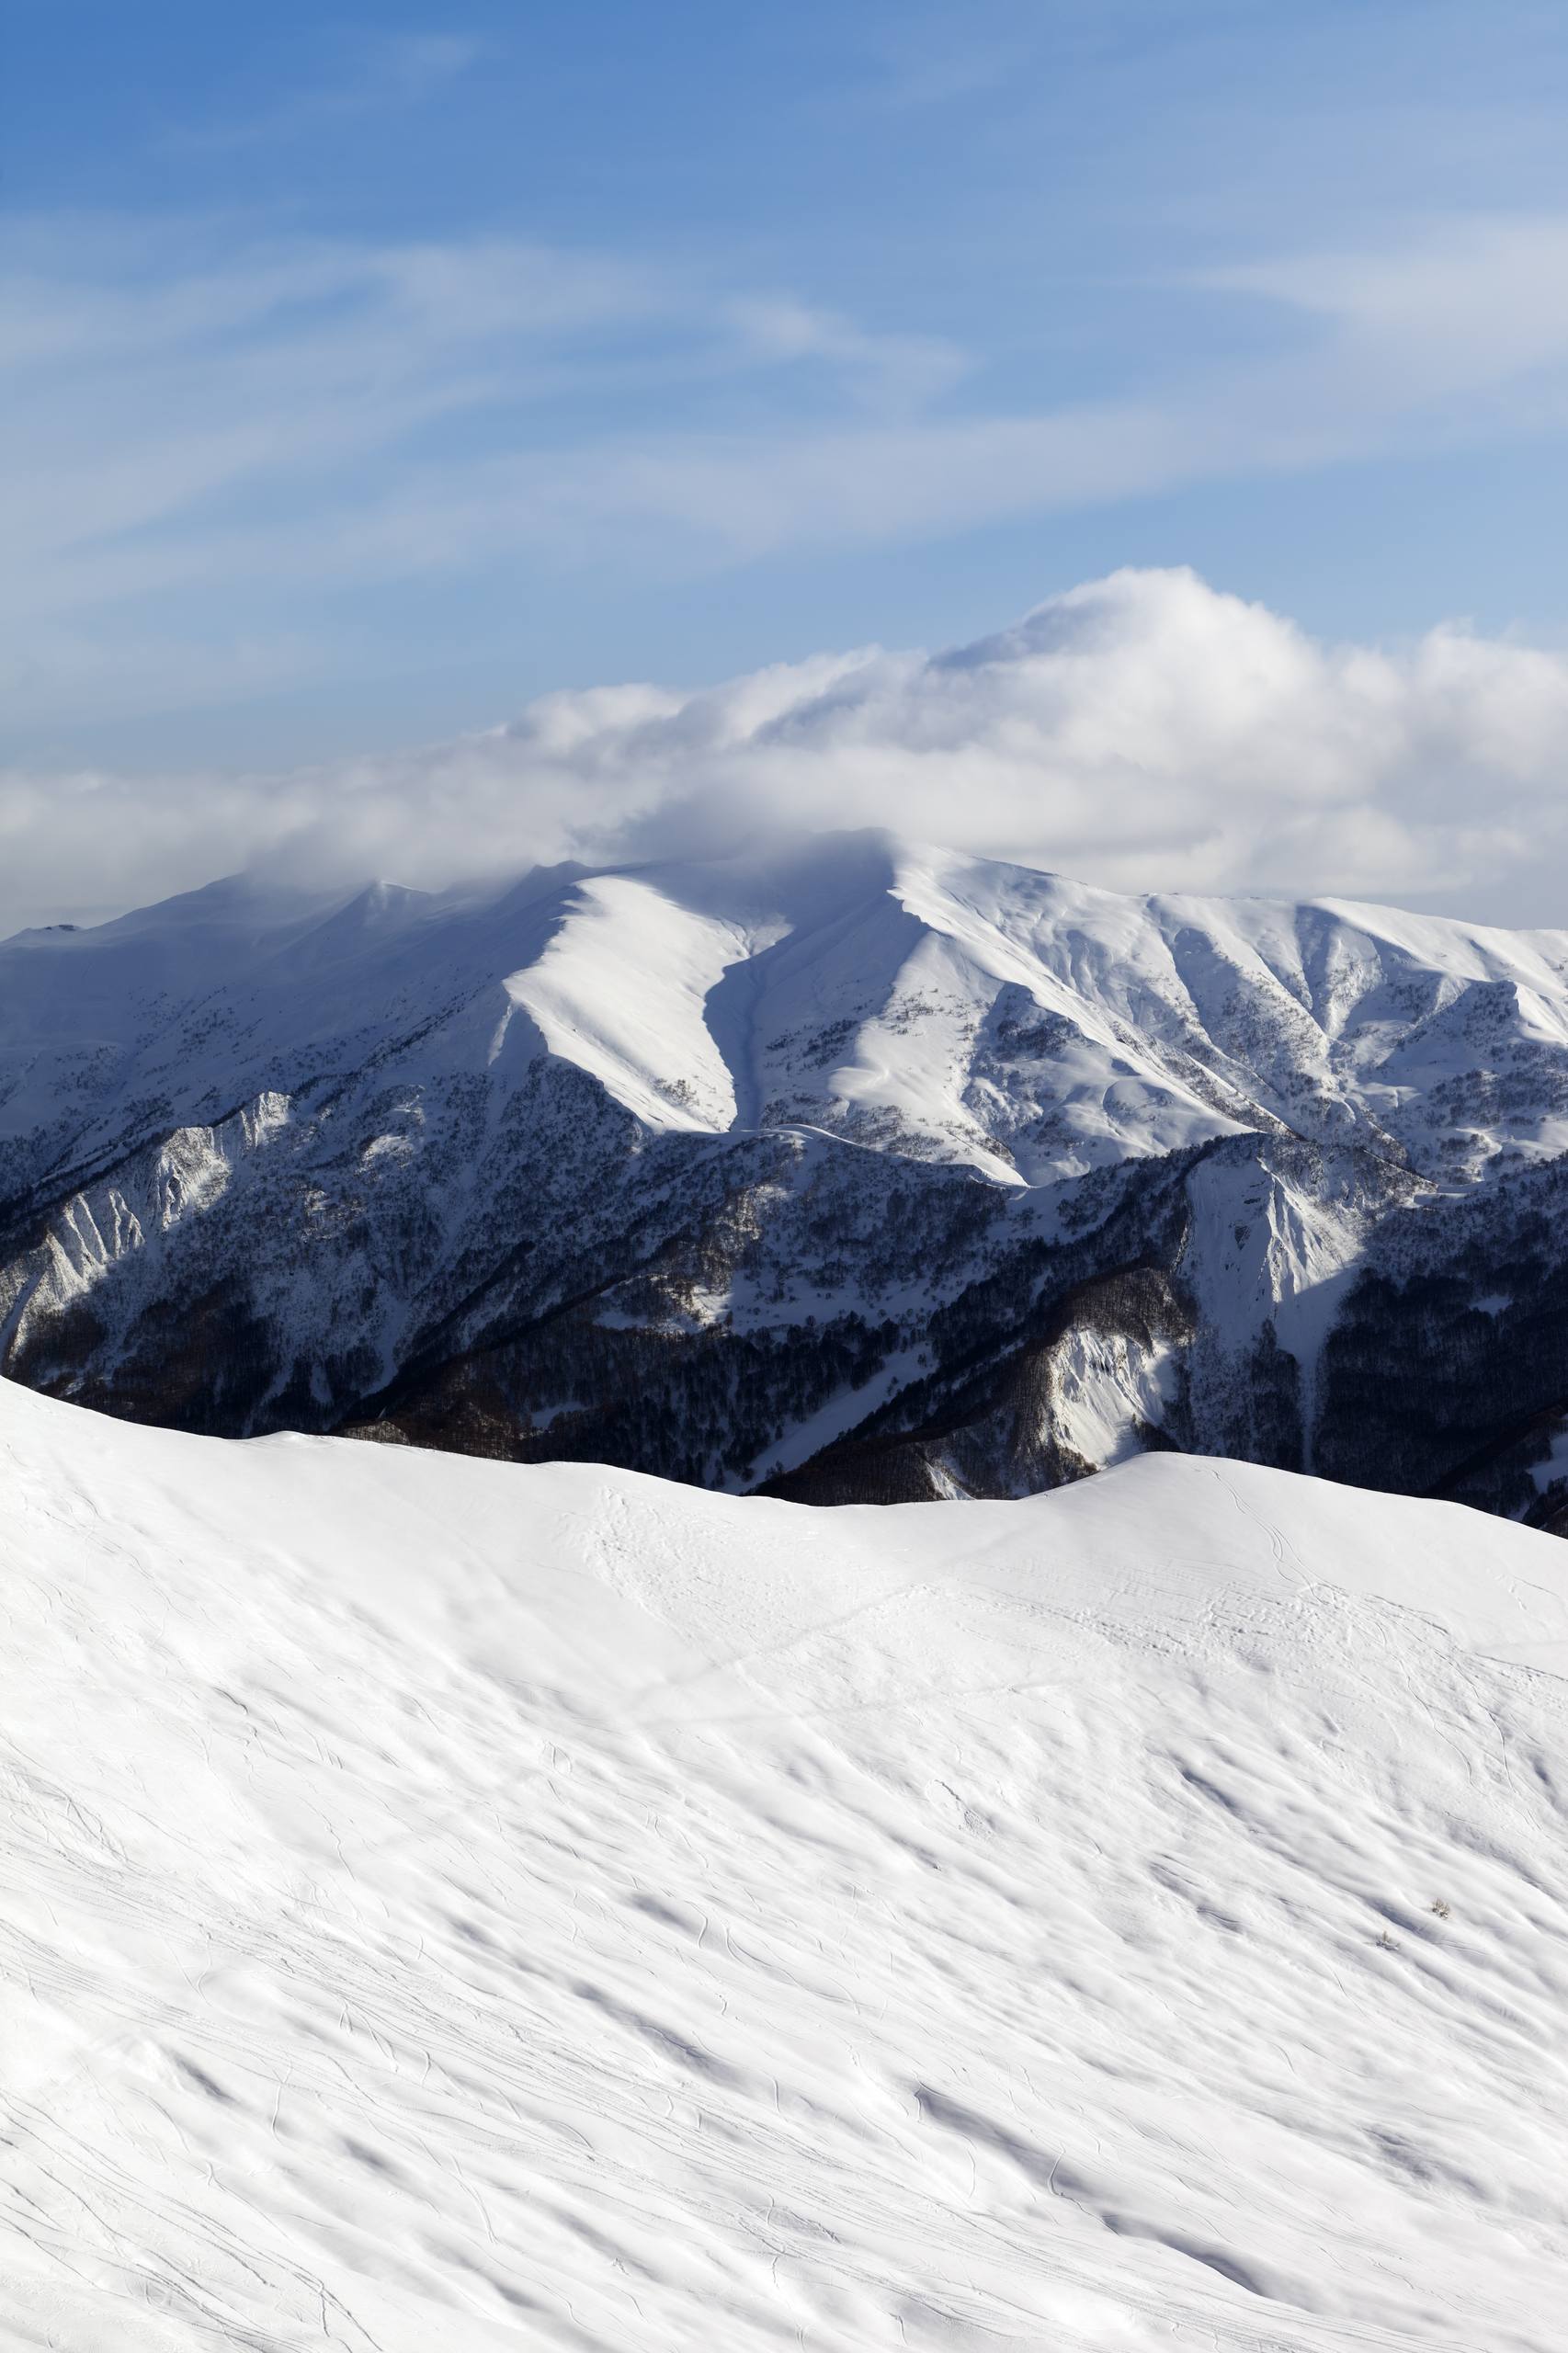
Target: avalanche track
448,1904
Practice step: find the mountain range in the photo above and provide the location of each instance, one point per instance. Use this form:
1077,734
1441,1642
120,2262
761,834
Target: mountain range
851,1170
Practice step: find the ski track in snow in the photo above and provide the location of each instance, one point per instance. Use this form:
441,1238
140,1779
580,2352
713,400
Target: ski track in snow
446,1905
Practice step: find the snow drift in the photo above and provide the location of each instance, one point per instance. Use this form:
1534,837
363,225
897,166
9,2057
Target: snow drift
453,1905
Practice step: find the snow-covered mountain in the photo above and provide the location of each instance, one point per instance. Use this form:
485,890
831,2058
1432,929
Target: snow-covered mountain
447,1906
857,1171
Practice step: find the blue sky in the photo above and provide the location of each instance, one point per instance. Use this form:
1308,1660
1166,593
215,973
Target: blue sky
369,371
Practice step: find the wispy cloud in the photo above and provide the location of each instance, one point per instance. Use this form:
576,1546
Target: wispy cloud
212,416
290,411
379,77
1450,306
892,372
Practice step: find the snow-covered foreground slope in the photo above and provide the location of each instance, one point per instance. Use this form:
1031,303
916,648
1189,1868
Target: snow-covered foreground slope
454,1905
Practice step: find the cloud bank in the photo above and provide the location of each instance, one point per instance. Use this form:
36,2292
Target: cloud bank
1144,731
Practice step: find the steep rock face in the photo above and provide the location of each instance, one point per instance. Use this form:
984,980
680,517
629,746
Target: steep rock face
856,1173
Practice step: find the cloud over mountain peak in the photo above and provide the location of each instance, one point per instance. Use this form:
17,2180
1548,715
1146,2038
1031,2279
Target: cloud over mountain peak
1144,731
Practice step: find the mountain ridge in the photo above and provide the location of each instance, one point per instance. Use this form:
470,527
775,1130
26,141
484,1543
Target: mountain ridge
722,1169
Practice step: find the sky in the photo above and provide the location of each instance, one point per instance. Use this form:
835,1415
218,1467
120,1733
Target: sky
368,374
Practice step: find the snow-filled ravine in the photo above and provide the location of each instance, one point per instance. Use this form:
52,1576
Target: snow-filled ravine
445,1904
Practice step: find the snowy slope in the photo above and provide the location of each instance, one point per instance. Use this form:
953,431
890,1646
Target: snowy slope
450,1904
864,980
714,1168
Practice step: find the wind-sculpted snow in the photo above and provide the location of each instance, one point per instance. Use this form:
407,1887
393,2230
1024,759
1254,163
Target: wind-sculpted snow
452,1904
837,1168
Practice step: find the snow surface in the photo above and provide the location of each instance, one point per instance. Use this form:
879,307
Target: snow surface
620,989
867,986
445,1906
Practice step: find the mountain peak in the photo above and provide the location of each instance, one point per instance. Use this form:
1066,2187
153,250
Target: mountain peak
849,1163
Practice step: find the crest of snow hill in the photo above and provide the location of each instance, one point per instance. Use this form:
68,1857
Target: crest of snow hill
855,1174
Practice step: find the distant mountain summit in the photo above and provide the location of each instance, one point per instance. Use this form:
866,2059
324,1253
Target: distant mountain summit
859,1171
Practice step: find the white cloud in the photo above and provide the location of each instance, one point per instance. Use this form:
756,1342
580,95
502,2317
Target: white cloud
208,415
214,430
212,444
1144,731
